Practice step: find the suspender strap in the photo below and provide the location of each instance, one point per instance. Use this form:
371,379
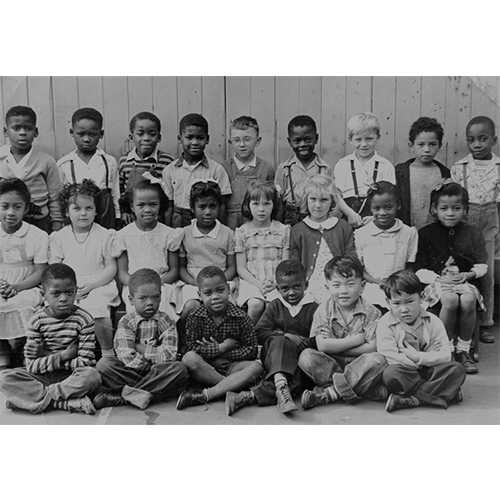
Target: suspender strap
107,169
354,179
289,167
375,171
72,166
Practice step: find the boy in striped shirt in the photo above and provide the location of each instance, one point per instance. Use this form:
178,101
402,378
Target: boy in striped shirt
59,352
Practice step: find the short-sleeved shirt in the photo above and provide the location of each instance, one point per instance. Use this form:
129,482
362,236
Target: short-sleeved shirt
210,249
265,248
364,174
178,178
385,251
146,248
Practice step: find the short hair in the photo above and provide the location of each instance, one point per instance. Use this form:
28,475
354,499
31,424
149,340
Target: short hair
70,192
144,115
146,184
193,120
318,183
402,281
481,119
426,124
301,121
87,114
210,272
346,266
57,271
244,123
449,189
362,122
21,111
143,276
257,190
290,268
204,189
16,185
383,187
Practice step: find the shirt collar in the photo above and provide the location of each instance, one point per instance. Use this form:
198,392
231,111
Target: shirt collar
394,321
7,155
20,233
134,156
469,159
294,310
268,230
242,166
137,318
327,224
317,161
211,234
74,155
375,157
359,309
375,231
231,311
202,163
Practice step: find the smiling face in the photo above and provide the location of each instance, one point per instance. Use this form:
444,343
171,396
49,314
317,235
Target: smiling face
59,294
384,208
364,143
146,207
193,140
244,143
21,132
81,212
86,134
12,210
480,141
303,140
449,210
146,299
425,147
146,137
406,307
214,293
291,287
345,291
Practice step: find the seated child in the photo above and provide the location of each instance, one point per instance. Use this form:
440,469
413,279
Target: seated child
384,245
86,247
357,171
23,257
145,160
145,369
415,345
37,169
220,343
416,177
88,161
147,243
451,257
59,352
320,236
283,331
244,166
345,366
294,173
260,245
479,174
192,165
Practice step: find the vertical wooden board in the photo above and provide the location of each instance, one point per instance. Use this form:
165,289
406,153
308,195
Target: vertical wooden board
65,95
287,106
384,107
450,119
189,95
358,99
483,105
333,118
262,90
213,109
15,91
116,114
310,97
2,111
90,96
40,99
165,107
140,94
238,92
407,111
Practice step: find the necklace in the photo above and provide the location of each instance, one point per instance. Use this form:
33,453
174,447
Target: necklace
85,238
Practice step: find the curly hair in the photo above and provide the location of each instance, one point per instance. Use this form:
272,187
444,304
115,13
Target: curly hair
70,192
426,124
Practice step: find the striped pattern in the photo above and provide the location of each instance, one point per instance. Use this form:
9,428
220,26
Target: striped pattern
56,335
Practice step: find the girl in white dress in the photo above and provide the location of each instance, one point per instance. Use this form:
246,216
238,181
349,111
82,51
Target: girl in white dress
23,257
86,247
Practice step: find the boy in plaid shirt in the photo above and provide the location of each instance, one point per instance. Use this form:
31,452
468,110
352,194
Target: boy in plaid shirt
220,343
145,368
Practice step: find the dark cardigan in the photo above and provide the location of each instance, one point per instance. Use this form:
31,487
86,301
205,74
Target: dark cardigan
403,184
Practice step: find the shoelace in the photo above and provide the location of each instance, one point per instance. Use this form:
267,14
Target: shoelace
284,394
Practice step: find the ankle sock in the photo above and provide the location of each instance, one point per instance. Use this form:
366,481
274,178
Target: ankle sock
108,353
463,345
332,394
280,379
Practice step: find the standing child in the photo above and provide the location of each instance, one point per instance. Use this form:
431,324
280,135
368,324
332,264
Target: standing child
37,169
294,173
244,166
479,174
345,365
320,237
59,352
384,245
451,257
88,161
416,177
145,369
86,247
356,172
220,342
145,160
23,257
283,331
415,345
147,243
192,165
260,245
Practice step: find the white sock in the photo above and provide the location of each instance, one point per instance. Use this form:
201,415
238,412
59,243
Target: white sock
280,379
452,345
108,353
463,345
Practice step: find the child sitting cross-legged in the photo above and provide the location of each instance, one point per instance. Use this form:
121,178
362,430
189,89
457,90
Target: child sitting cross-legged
220,343
345,365
283,331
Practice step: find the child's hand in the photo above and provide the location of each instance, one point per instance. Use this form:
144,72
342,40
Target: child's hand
267,287
360,338
324,332
8,291
208,343
34,350
83,291
228,345
411,353
70,352
163,273
354,219
127,218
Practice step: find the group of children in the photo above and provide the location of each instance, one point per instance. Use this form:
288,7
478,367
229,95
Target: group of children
239,281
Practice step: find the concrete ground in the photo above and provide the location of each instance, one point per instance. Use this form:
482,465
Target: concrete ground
481,405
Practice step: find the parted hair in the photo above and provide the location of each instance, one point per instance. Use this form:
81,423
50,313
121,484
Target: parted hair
405,281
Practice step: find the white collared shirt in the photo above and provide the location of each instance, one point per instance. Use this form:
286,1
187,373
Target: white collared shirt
243,166
326,224
294,310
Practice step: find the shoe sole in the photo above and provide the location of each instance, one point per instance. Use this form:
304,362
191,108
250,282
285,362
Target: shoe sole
288,408
388,404
178,403
226,406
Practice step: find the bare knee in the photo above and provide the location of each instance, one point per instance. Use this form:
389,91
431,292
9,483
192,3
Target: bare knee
255,308
192,360
256,368
306,359
449,301
467,302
